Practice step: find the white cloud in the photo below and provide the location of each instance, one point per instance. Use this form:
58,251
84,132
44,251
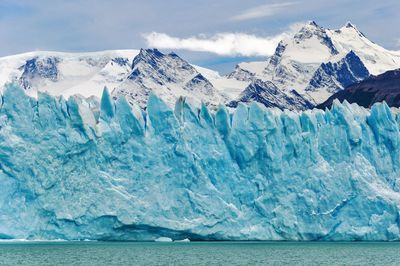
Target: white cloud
262,11
226,44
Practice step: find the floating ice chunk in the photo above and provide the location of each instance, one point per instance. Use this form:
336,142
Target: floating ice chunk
186,240
163,239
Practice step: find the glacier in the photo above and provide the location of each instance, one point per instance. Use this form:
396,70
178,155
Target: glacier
73,169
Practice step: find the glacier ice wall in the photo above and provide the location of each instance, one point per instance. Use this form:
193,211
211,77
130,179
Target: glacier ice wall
71,171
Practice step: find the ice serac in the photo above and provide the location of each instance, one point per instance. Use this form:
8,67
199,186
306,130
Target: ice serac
259,173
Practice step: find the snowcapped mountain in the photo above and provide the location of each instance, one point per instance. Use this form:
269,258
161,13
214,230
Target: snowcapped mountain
67,73
317,62
303,72
169,77
131,73
376,58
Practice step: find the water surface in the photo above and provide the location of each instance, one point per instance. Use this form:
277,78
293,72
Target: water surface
199,253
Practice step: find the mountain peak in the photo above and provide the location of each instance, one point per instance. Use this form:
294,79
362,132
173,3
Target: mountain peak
173,54
150,51
150,56
311,26
312,30
168,76
349,25
155,53
308,30
312,23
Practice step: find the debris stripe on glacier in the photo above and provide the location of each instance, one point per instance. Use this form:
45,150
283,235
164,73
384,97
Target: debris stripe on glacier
187,173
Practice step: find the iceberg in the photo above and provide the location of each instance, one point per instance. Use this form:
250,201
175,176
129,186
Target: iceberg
74,170
163,239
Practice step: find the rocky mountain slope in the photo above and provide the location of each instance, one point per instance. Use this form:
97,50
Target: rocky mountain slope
266,93
384,87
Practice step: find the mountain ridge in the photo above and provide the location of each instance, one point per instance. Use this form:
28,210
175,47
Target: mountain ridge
384,87
314,64
296,60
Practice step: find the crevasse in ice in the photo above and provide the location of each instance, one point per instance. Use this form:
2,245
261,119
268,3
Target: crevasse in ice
71,171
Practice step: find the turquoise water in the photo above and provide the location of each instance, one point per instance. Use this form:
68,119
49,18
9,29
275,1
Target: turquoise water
199,253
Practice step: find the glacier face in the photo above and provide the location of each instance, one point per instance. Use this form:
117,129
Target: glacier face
71,171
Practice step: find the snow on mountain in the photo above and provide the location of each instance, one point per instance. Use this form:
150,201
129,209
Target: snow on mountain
248,70
229,87
266,93
66,73
314,64
207,73
169,77
111,75
311,44
332,77
86,74
376,58
299,61
256,174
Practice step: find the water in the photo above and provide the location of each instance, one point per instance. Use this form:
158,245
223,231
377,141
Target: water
198,253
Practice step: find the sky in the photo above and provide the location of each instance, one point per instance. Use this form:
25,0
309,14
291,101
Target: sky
210,33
